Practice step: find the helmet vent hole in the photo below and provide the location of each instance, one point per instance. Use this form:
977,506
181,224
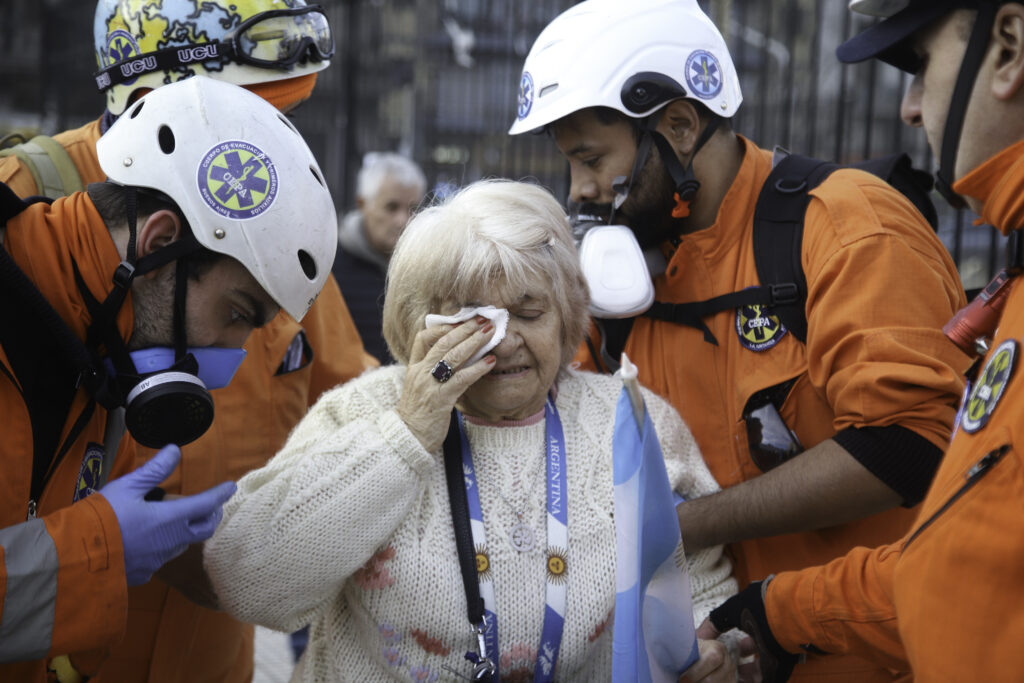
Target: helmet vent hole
316,175
166,138
288,123
548,89
137,109
308,264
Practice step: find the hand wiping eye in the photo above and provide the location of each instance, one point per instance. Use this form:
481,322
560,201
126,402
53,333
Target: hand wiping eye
499,316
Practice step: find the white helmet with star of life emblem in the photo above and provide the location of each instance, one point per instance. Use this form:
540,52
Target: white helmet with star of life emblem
242,176
631,56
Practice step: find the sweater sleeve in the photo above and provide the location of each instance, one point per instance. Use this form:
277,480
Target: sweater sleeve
296,529
711,580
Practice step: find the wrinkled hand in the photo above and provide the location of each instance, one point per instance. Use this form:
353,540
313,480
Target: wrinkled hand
714,665
746,611
426,404
153,532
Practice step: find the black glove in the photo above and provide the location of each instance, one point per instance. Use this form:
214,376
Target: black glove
745,611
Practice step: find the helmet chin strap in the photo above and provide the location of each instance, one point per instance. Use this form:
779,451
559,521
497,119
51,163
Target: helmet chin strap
103,328
686,183
969,67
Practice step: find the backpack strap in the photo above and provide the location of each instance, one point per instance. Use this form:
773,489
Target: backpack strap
778,236
778,241
53,170
42,349
779,231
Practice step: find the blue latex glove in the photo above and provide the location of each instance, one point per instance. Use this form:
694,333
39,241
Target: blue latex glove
154,532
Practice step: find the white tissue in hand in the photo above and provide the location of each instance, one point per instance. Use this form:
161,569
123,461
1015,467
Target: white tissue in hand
499,316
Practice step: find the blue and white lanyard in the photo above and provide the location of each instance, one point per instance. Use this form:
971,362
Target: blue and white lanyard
556,559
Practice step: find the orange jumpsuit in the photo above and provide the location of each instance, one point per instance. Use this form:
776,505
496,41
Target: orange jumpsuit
940,602
169,638
81,605
880,287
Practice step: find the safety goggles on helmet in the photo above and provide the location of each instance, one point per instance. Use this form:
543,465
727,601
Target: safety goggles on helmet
275,39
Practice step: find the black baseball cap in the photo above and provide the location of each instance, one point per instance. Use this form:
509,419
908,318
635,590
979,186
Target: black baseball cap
888,39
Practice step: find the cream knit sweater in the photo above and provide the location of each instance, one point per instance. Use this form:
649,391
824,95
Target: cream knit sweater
349,528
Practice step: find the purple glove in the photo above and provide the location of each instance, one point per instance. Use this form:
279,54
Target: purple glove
155,532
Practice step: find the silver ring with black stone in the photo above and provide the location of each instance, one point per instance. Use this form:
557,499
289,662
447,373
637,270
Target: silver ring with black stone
442,372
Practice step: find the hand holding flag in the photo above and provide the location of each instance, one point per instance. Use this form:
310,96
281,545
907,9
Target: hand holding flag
654,637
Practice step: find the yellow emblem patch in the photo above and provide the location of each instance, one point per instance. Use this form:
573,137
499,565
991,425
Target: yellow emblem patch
989,389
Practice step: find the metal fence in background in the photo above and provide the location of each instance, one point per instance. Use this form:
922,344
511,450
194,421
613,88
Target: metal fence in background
438,81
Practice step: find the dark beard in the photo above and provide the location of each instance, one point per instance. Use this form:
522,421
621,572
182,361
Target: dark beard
647,210
153,308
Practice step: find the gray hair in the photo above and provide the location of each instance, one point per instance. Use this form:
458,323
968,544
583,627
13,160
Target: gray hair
378,166
492,229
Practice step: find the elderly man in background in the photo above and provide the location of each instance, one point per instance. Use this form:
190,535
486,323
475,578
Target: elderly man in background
388,190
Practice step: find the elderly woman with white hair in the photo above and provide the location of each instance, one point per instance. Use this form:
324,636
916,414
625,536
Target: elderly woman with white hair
350,527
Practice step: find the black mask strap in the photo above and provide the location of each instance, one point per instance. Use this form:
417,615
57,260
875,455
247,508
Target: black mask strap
180,291
969,67
103,328
684,179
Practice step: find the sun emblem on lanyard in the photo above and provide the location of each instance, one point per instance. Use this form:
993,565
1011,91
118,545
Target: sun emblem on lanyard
557,564
991,385
483,563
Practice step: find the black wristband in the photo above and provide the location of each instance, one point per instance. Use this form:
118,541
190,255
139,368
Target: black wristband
904,460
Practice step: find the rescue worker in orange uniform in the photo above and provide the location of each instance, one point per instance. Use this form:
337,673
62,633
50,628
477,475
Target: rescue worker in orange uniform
940,603
637,96
170,637
132,301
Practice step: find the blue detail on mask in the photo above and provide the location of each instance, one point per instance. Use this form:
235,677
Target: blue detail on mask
217,365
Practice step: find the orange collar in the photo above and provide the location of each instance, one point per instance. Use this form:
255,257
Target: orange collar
998,184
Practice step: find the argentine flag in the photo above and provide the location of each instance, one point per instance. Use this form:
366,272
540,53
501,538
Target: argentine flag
654,637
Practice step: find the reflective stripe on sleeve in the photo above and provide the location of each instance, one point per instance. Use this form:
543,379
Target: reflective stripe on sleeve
30,558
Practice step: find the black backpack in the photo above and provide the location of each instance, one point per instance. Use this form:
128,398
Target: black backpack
778,238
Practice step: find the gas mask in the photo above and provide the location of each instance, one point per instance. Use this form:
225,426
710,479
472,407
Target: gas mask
615,269
619,273
167,399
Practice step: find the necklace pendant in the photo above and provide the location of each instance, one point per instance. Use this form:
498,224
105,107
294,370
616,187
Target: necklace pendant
521,537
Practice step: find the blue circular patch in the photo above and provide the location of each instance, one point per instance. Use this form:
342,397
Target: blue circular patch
89,473
990,386
757,328
121,46
525,99
237,180
703,74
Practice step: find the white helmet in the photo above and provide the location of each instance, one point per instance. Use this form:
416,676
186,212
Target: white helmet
150,43
878,8
241,174
633,56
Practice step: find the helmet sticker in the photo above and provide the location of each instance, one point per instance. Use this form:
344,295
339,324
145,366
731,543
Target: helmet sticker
703,74
525,100
237,180
757,328
121,46
990,387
